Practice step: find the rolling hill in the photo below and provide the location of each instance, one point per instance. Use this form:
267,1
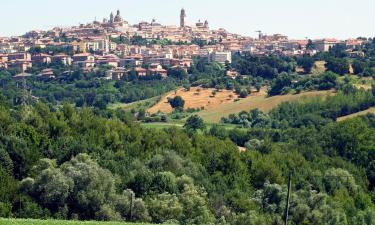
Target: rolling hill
226,102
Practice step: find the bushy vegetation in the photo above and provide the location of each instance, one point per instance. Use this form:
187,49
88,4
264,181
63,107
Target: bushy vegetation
70,163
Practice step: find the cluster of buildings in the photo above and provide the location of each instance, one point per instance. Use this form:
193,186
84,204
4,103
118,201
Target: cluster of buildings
97,43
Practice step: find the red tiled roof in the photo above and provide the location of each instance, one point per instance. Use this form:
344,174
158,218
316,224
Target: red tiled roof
139,69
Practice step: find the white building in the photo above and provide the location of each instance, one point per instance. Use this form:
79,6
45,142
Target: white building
220,57
325,45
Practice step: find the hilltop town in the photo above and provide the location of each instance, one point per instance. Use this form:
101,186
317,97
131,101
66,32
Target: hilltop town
117,43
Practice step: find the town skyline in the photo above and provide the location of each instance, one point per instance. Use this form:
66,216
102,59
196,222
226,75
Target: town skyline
268,19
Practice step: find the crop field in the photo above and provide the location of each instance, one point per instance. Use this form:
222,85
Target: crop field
195,98
261,102
59,222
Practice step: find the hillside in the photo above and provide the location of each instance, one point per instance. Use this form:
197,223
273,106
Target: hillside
224,103
261,102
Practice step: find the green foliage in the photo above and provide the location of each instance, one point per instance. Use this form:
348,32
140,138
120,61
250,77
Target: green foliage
194,123
165,207
307,63
358,66
338,65
280,84
74,86
68,163
196,210
254,118
177,102
267,67
178,73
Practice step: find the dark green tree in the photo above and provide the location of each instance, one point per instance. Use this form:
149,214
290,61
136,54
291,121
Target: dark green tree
194,123
177,102
307,63
338,65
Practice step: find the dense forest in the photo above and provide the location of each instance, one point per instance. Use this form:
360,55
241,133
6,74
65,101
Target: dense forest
72,163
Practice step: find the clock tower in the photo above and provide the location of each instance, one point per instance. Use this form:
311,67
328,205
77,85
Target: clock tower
182,18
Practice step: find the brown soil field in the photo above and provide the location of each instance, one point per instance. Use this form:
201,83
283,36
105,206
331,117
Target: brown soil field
195,98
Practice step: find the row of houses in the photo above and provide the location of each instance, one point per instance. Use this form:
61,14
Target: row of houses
112,74
24,60
120,72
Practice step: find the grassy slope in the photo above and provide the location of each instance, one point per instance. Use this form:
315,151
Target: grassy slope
370,110
180,124
263,103
142,104
161,125
59,222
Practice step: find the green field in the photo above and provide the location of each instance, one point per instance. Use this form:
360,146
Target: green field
161,125
138,105
59,222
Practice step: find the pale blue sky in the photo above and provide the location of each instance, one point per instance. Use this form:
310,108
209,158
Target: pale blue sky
295,18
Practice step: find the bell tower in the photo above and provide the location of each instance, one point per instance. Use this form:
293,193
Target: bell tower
182,18
111,18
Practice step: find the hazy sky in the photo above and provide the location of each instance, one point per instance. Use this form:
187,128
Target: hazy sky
295,18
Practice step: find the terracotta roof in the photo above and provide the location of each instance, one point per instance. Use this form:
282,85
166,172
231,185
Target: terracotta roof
139,69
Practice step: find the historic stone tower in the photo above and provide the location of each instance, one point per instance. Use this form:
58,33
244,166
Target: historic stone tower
111,18
182,18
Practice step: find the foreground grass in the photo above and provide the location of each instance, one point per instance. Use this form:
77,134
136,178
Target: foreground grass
60,222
